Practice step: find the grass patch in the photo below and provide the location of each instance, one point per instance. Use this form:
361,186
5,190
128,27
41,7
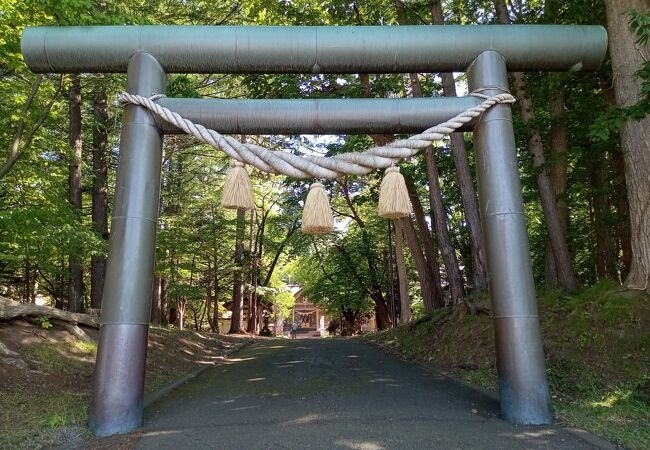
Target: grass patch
486,377
614,413
47,403
41,418
70,358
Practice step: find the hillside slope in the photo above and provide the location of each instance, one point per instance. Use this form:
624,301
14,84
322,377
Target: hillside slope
596,345
47,373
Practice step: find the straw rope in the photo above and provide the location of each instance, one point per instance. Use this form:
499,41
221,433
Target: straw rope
326,167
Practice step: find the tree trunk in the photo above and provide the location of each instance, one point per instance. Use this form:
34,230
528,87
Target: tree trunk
210,299
251,326
390,277
208,307
215,315
180,312
374,288
164,302
34,287
402,277
558,173
10,309
61,284
99,208
605,256
217,294
439,219
623,212
27,282
348,322
566,277
156,306
278,253
464,178
425,235
14,151
237,288
627,58
427,249
75,288
382,314
430,290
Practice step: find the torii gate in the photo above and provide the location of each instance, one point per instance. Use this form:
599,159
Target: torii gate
148,53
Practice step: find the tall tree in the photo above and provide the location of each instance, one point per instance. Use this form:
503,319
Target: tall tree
600,189
429,284
256,251
438,214
439,219
424,254
75,288
238,275
374,287
156,306
563,263
464,177
628,56
622,211
558,174
14,151
402,276
99,197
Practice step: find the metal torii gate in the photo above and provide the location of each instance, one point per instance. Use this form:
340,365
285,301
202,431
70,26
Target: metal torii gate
148,53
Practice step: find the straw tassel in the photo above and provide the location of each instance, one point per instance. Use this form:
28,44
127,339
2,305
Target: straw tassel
237,189
394,202
317,215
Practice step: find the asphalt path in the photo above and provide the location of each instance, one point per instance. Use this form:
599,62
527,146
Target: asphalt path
332,394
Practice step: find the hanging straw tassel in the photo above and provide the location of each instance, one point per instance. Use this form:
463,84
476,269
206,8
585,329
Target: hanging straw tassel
317,214
394,202
237,189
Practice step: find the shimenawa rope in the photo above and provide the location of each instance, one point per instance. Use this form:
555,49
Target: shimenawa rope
394,201
324,167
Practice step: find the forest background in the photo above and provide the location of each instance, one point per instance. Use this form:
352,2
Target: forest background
582,143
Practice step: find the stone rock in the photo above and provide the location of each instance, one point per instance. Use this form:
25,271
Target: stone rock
16,362
4,350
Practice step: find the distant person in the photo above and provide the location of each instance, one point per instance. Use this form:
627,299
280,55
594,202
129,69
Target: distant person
294,328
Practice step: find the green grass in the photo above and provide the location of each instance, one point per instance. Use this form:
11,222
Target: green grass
486,377
44,414
70,358
41,418
614,413
49,405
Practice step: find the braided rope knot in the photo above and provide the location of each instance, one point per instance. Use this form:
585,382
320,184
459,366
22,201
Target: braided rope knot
312,166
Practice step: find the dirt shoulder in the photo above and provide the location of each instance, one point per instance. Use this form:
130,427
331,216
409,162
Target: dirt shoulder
47,376
597,347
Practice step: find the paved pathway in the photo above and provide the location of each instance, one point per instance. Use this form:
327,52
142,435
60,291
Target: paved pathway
332,394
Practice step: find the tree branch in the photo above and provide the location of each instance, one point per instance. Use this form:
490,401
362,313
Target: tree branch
14,152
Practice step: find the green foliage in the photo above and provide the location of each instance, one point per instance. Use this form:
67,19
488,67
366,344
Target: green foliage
283,301
616,414
182,86
44,322
39,232
74,360
340,270
615,117
37,419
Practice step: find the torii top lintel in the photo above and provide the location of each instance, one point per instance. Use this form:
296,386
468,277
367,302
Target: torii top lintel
313,49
